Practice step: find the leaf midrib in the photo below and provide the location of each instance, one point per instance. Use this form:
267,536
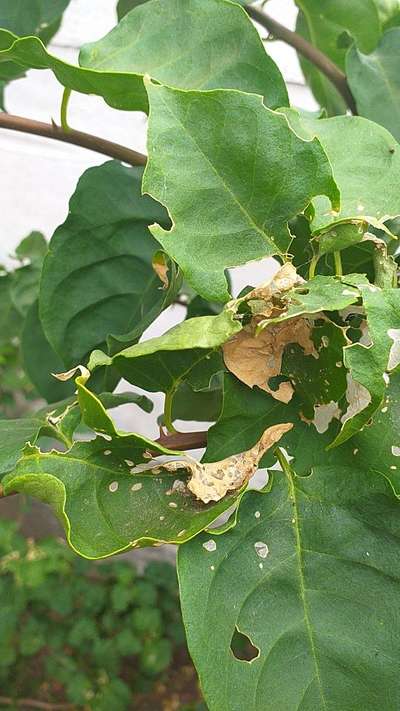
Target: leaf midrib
302,586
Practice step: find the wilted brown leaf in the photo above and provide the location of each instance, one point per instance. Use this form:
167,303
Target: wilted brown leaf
256,359
211,482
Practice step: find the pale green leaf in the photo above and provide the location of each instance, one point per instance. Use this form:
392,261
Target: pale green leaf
232,192
367,175
190,44
375,81
98,278
188,352
186,43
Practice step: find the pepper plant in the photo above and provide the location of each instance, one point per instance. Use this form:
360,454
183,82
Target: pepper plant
298,374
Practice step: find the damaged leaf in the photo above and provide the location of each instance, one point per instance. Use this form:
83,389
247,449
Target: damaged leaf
255,359
212,481
306,565
238,221
368,363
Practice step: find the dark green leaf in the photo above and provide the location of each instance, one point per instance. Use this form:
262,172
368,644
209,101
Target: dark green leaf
98,278
306,565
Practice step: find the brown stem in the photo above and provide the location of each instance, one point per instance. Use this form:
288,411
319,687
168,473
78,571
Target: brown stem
77,138
314,55
182,440
34,704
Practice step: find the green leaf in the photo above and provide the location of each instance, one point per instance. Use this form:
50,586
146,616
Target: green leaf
14,434
125,6
185,353
190,44
307,563
245,186
375,81
333,25
324,91
201,406
389,12
121,510
40,360
369,363
98,278
196,30
322,293
32,17
366,175
32,247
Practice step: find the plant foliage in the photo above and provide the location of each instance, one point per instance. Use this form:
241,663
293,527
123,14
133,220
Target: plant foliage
297,374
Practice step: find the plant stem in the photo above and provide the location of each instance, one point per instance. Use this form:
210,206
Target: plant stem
338,264
77,138
313,54
64,109
313,266
169,398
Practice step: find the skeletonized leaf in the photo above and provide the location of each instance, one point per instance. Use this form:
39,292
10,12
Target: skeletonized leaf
232,192
212,481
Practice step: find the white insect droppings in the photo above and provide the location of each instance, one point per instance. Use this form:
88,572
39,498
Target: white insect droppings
325,341
107,452
212,567
106,436
147,455
339,364
347,292
129,463
210,546
394,355
113,486
136,487
162,518
173,505
355,451
260,565
360,208
257,514
261,549
367,553
293,520
393,467
396,451
384,409
386,378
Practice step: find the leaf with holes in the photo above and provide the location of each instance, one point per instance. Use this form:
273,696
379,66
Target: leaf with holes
306,563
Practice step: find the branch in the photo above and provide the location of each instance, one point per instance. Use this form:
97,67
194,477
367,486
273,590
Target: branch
182,440
77,138
314,55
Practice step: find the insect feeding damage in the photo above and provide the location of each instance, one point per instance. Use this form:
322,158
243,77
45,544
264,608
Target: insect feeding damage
254,359
212,481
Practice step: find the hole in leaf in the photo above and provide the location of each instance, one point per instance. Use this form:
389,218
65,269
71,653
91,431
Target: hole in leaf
243,648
